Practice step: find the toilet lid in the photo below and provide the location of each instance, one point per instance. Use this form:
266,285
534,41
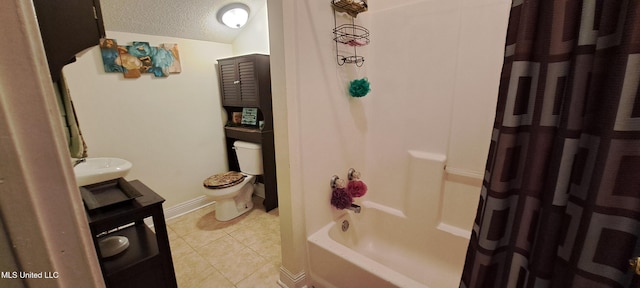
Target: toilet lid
224,180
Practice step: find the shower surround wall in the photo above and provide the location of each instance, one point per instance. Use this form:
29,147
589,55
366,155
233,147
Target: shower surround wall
434,69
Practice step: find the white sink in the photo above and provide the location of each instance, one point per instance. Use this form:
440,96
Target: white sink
96,170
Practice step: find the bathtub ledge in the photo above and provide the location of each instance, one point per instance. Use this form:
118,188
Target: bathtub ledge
453,230
385,209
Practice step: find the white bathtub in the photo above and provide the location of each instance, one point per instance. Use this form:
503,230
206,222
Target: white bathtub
383,248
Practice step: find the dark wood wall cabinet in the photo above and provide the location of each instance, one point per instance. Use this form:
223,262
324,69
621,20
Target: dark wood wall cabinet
68,27
147,261
245,82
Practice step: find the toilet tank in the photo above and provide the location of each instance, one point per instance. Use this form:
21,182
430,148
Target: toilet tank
249,157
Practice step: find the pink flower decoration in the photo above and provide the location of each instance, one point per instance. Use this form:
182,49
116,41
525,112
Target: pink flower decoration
340,198
356,188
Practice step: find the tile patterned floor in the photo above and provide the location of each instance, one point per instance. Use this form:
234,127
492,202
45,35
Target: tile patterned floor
243,252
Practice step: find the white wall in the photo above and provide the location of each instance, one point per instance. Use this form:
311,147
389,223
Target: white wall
480,53
412,105
255,35
171,128
327,126
436,65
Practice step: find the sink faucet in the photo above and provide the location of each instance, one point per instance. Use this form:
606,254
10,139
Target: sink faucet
355,208
78,161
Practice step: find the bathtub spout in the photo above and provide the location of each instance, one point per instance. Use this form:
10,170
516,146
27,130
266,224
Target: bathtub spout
355,208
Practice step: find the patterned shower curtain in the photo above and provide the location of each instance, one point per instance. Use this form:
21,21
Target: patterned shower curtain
560,202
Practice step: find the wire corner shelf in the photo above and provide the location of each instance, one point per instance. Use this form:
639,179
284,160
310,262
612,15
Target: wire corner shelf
350,34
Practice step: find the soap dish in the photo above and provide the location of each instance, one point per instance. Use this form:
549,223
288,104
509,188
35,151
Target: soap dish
113,245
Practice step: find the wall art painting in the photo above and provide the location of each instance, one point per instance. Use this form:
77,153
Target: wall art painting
139,57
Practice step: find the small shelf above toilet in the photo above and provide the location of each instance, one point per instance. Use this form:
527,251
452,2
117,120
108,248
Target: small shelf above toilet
243,129
245,134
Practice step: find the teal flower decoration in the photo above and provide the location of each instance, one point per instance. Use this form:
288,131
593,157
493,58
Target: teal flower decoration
359,87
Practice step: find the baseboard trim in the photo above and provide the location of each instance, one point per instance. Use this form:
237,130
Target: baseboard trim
188,206
290,280
183,208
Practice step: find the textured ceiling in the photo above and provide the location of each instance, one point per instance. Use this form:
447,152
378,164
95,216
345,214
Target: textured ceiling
190,19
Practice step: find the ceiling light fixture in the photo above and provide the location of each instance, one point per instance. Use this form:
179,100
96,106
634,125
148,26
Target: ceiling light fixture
234,15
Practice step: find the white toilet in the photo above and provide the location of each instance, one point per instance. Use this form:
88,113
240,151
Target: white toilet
232,190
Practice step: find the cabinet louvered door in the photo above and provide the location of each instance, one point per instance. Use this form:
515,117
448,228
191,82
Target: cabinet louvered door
229,83
248,84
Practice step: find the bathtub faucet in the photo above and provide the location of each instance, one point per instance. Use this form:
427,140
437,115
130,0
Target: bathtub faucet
355,208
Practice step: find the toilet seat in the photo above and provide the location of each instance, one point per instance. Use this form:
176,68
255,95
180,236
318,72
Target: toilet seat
224,180
221,193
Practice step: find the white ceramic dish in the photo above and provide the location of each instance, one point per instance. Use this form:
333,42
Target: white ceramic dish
113,245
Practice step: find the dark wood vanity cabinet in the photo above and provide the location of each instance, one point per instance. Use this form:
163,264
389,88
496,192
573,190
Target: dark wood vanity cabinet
147,261
68,27
245,82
